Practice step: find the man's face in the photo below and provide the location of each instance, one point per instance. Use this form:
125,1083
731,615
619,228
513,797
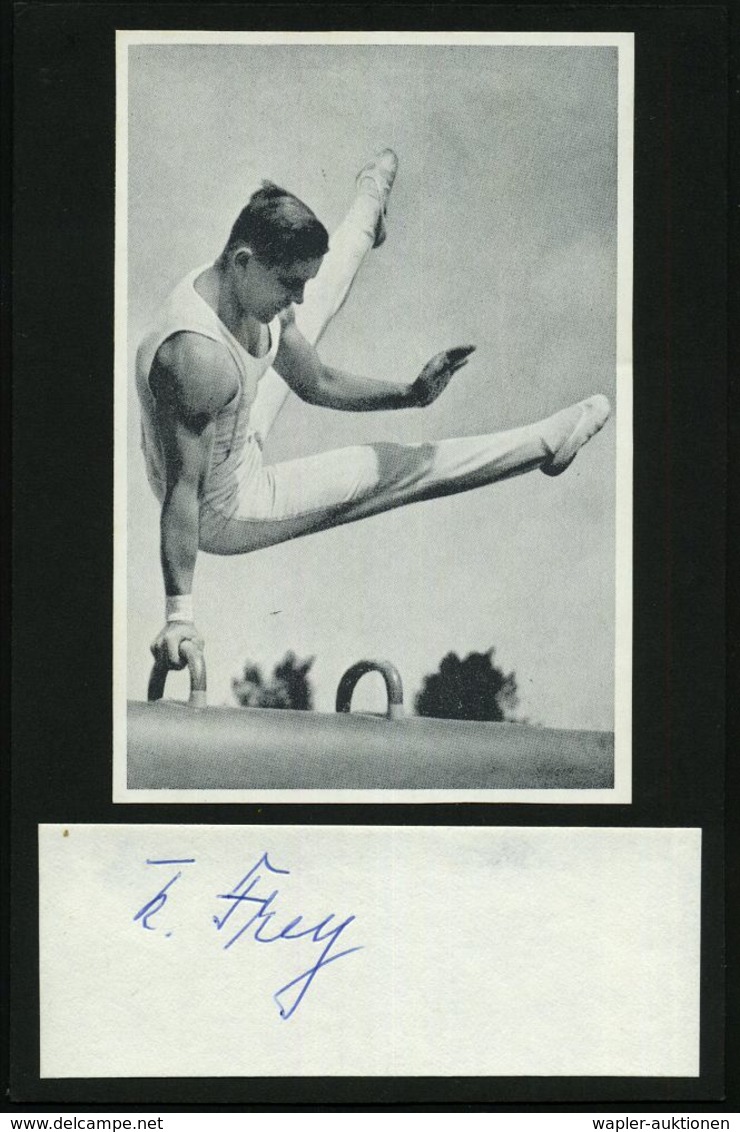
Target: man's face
264,289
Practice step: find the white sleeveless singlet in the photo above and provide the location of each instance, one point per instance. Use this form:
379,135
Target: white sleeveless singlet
186,310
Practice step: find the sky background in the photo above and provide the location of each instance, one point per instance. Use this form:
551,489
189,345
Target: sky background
501,232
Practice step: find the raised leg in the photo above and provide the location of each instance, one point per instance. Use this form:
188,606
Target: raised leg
324,296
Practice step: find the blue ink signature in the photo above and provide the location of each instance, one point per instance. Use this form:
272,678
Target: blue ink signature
243,898
240,896
157,903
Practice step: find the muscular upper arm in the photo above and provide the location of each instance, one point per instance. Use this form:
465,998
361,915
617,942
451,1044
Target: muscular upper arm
196,375
192,378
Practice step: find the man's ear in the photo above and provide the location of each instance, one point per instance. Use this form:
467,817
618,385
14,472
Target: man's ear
241,256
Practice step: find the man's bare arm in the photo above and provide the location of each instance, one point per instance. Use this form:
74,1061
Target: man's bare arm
318,384
192,378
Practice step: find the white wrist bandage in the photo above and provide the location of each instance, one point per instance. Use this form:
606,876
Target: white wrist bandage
179,607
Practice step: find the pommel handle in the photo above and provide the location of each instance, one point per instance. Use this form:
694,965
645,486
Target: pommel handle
196,666
392,680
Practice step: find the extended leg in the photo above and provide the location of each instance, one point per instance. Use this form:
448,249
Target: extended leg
348,246
300,497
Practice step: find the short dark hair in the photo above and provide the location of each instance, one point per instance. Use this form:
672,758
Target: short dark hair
279,228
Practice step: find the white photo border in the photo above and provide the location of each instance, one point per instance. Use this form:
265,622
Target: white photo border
621,792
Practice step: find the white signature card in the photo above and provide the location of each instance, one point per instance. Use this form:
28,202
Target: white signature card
186,951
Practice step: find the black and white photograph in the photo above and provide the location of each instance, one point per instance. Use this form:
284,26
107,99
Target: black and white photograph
373,417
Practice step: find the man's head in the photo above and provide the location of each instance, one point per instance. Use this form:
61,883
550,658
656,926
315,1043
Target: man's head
276,245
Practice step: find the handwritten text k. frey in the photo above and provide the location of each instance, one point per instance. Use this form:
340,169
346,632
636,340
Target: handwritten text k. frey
261,910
